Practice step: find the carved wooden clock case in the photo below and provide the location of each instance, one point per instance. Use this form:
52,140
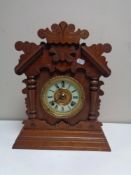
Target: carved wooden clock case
62,90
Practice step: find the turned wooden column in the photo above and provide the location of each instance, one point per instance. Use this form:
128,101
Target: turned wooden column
31,97
94,85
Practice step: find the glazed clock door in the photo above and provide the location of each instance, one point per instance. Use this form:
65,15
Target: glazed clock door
62,97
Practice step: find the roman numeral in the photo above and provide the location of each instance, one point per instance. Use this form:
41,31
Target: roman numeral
74,90
50,96
69,107
56,85
73,103
51,90
69,86
63,83
62,109
52,103
75,97
56,107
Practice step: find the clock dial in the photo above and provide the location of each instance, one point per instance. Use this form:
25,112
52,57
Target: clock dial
62,96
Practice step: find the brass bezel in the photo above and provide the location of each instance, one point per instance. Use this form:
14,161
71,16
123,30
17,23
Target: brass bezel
51,111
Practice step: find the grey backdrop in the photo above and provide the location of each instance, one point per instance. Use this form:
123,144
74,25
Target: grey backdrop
106,20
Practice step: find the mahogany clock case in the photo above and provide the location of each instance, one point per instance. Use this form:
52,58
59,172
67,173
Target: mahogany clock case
62,55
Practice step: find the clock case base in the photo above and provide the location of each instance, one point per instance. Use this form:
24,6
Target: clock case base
50,139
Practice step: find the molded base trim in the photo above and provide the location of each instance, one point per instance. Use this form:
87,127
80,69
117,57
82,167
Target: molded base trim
62,140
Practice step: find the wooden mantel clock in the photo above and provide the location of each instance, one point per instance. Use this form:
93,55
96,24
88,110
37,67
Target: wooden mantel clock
62,91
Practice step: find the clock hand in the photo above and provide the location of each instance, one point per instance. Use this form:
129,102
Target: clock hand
56,99
61,96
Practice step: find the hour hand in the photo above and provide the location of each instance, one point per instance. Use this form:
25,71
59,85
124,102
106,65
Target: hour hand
57,98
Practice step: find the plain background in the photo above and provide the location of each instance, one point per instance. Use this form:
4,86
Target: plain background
106,20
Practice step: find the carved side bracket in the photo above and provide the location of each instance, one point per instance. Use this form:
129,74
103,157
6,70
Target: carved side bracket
94,54
31,52
99,49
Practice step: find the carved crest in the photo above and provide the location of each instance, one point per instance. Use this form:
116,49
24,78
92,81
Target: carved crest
63,33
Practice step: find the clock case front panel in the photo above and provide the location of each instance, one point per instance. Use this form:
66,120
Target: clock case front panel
42,62
45,76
